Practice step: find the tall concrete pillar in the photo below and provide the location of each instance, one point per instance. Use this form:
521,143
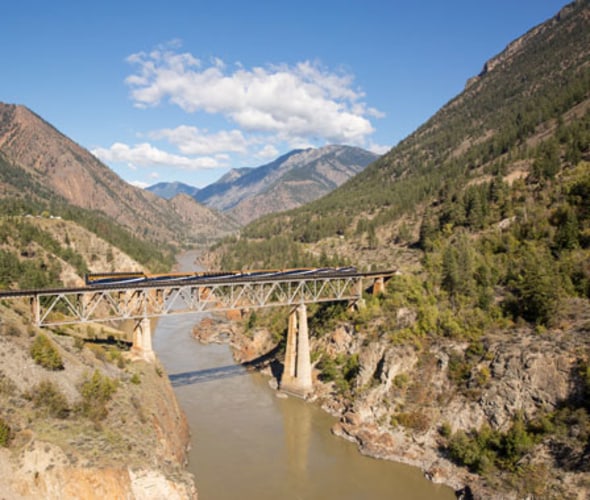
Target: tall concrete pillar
296,378
142,340
290,366
378,285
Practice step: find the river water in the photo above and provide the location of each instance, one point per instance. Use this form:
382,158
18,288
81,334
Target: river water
249,444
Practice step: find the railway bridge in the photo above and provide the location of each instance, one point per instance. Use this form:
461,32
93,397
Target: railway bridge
114,297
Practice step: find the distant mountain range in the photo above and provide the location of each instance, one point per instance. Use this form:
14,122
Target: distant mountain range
169,190
290,181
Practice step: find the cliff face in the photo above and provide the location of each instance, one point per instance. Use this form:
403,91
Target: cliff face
104,426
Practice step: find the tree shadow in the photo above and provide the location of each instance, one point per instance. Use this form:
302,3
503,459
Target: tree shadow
570,447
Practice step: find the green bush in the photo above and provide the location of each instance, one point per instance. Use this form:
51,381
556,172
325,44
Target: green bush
483,450
45,353
96,391
342,370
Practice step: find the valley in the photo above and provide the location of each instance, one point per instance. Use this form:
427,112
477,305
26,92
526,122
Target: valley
471,364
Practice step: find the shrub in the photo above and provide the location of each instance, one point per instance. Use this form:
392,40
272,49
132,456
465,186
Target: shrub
482,450
45,353
401,380
445,430
96,391
414,420
47,396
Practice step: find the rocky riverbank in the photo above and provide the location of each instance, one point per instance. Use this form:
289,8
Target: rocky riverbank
98,424
406,401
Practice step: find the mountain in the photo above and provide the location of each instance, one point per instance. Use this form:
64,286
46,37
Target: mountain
474,362
290,181
169,190
538,82
39,163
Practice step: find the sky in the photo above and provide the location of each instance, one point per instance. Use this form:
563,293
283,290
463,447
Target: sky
186,90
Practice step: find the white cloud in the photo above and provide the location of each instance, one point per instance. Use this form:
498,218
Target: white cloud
379,149
291,103
268,151
146,155
139,184
192,141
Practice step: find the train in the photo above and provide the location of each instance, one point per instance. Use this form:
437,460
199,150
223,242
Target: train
139,277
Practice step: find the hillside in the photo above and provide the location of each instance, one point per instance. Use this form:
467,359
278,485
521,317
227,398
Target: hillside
475,362
288,182
494,123
78,418
46,166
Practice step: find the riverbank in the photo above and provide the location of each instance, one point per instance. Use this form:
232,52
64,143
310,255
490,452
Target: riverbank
403,397
248,443
252,351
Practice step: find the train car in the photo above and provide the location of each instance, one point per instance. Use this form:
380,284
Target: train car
125,278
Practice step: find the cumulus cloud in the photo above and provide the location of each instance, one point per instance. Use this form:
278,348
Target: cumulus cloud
268,151
379,149
139,184
146,155
292,103
192,141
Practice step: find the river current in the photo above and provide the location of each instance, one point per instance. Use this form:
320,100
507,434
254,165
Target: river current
249,444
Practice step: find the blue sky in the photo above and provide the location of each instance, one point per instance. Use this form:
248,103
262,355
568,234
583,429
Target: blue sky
186,90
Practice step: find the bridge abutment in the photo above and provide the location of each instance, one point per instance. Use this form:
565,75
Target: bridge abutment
142,340
296,378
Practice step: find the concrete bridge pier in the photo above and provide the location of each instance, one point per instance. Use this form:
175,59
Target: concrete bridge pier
378,285
296,378
142,340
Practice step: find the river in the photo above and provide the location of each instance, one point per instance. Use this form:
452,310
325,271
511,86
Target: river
249,444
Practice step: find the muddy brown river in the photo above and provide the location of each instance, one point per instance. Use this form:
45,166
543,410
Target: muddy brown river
249,444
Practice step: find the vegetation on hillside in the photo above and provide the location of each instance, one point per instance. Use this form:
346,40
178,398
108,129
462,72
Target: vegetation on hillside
489,125
156,256
499,182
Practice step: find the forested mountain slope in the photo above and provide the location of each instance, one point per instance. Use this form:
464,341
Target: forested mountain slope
538,84
475,362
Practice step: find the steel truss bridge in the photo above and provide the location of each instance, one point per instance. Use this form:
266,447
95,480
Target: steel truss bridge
140,300
150,299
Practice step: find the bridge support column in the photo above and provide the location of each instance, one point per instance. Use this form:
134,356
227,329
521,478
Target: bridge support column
296,378
142,340
378,285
